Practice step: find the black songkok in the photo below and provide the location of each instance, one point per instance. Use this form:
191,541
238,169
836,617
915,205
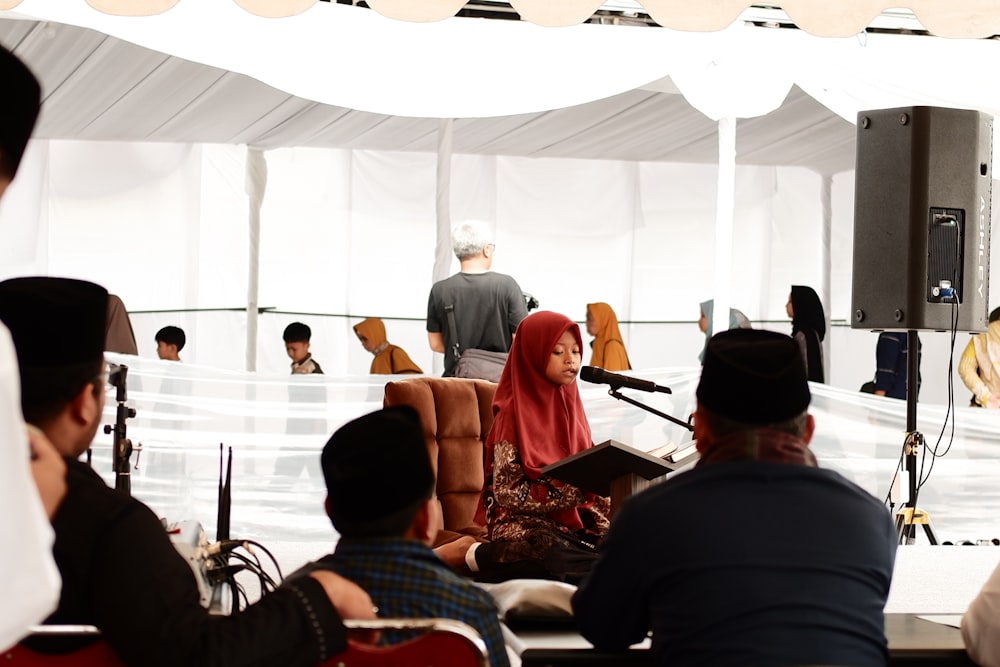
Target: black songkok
753,376
376,468
54,321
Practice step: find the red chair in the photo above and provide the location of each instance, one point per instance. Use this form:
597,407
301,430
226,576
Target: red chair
443,643
98,654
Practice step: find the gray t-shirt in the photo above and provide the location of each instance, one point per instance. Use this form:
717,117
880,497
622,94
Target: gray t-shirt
488,308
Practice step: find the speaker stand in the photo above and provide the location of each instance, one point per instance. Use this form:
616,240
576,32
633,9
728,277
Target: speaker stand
909,516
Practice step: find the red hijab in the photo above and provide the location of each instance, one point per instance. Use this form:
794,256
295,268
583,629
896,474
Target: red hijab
545,421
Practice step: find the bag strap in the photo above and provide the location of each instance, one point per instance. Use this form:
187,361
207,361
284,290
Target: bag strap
449,310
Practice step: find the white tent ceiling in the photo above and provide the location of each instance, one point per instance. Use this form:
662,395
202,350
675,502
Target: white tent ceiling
343,76
102,88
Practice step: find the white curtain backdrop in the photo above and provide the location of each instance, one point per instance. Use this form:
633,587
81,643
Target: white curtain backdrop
350,234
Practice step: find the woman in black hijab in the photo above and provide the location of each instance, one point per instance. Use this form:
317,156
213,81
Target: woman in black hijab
808,328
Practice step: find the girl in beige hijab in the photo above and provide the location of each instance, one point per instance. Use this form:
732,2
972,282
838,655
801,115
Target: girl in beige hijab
389,359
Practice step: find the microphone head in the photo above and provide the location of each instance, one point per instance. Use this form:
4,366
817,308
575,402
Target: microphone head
593,374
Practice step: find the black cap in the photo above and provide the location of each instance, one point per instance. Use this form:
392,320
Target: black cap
54,321
377,470
753,376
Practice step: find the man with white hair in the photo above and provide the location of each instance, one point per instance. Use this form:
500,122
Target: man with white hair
485,307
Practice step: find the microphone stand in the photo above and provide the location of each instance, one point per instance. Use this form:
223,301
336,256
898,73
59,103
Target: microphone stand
121,449
621,397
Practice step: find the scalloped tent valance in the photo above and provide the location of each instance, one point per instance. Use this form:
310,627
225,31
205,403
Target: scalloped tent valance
833,18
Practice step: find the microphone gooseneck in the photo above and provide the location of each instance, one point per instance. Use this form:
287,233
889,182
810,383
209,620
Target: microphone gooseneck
597,375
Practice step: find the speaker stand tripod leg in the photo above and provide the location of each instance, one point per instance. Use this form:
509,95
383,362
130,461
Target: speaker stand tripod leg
907,520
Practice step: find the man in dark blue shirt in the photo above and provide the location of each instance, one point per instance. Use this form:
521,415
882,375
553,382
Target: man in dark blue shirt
380,498
756,556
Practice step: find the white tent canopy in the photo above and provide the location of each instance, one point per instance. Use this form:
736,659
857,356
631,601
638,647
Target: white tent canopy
465,68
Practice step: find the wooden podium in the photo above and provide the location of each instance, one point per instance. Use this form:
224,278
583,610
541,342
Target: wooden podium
610,469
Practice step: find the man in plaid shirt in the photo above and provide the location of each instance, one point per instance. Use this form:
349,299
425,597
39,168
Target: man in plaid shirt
380,498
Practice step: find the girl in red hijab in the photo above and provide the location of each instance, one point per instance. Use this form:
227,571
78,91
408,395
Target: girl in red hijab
537,525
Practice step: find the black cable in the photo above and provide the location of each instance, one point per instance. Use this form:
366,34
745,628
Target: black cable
267,584
923,477
274,560
234,591
892,482
950,410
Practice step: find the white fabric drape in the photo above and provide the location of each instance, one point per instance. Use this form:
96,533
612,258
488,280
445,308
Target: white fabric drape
420,76
352,233
184,411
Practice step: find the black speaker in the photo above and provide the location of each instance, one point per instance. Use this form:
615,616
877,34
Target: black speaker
922,196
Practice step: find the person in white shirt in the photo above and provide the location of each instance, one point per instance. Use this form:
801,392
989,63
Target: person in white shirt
32,474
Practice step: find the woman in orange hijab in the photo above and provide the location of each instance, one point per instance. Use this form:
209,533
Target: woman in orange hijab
537,525
389,359
607,348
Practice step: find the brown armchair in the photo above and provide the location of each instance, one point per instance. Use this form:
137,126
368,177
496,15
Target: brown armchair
455,415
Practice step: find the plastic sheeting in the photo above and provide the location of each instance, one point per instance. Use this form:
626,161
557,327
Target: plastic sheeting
277,425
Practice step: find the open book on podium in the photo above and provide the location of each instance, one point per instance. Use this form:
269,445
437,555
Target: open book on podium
614,469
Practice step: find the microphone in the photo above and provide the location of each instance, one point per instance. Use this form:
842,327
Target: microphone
598,375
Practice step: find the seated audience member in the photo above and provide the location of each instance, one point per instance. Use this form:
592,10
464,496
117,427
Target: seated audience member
607,348
979,366
538,526
737,320
119,569
756,556
981,624
386,529
389,359
296,338
29,587
170,341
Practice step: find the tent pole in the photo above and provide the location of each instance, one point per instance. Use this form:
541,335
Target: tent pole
442,248
724,216
443,252
254,186
826,201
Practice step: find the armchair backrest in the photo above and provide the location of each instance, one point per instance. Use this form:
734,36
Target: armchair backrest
441,643
456,415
